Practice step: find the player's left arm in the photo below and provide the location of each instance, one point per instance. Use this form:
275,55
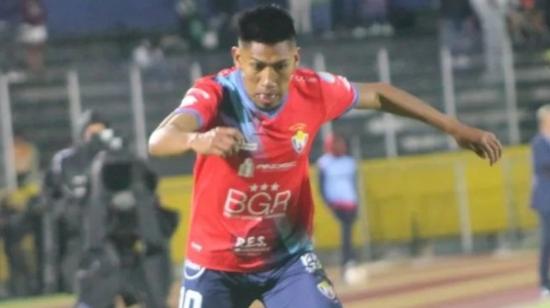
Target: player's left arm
385,97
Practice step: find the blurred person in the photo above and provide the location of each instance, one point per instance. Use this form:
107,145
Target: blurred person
338,186
252,127
65,190
527,21
345,14
455,29
545,6
125,233
540,196
321,18
301,13
33,33
26,158
148,54
191,26
9,11
20,226
217,16
246,4
375,13
492,15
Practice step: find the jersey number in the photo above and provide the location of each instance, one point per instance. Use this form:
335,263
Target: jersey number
190,299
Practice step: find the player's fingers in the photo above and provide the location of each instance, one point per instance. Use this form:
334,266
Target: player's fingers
496,146
228,146
216,151
490,152
499,146
479,151
223,147
497,149
232,132
231,144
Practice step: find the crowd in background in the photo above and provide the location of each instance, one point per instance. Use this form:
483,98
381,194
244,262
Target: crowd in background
209,24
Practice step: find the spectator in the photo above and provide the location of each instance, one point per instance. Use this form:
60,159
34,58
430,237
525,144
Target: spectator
301,13
33,33
217,15
540,197
492,14
321,18
147,55
454,29
191,26
375,13
19,226
338,186
9,10
27,159
527,21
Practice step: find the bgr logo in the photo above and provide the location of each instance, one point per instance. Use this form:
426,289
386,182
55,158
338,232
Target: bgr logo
262,201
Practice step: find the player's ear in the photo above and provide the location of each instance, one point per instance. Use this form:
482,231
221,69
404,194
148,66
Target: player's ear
297,57
236,54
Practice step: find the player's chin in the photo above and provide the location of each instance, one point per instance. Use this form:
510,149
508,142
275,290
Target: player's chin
266,105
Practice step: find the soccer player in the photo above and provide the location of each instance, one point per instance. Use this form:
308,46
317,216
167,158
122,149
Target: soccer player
252,127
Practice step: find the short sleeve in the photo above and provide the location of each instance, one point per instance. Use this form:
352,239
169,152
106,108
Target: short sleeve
338,94
202,101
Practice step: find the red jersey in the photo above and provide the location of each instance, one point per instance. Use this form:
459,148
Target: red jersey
254,210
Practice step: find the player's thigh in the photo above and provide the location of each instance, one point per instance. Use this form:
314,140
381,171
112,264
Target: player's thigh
303,284
203,288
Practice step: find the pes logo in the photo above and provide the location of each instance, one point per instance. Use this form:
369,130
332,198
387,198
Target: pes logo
260,201
251,245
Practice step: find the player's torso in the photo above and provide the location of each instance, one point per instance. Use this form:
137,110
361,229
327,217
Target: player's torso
259,200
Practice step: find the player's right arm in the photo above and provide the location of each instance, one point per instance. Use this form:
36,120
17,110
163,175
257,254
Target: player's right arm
178,133
192,125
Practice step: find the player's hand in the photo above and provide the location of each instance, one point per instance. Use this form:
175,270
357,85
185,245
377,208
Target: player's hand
220,141
483,143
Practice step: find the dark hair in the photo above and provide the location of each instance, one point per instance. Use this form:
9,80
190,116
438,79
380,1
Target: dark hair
90,117
268,24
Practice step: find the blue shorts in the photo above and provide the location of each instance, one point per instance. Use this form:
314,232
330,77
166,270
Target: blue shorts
300,282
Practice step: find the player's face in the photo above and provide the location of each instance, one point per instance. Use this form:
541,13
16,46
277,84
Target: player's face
545,125
266,70
93,129
340,147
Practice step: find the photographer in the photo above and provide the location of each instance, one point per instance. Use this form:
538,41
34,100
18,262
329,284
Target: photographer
125,233
64,191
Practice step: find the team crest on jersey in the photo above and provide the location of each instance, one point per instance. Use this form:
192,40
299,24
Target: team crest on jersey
326,289
300,138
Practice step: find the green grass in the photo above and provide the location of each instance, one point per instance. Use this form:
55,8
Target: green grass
52,301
